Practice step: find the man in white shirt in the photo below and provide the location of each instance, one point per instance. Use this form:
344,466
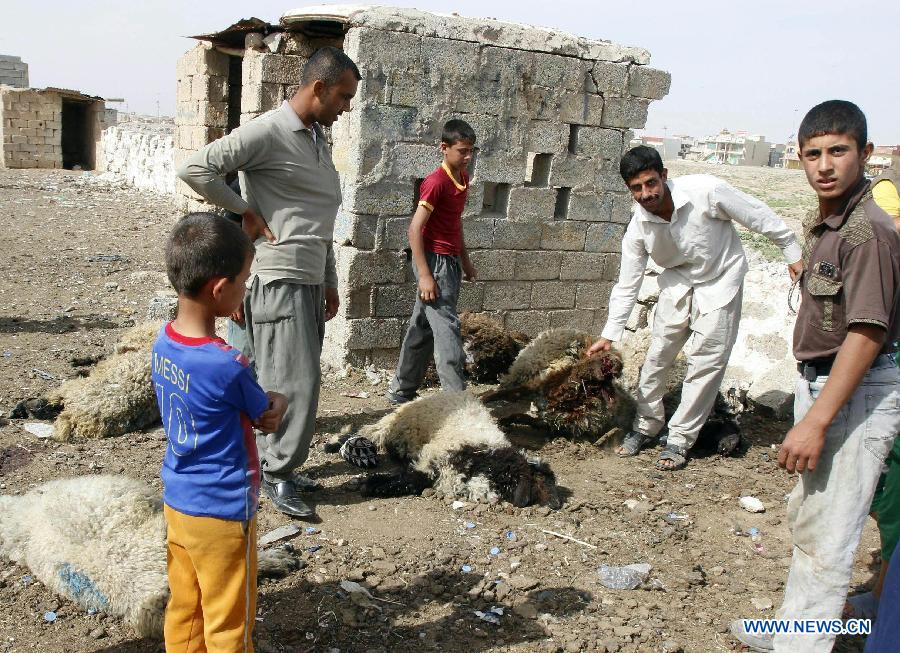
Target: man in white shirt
685,226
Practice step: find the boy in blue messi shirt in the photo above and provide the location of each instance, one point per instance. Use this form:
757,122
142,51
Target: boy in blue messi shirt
209,400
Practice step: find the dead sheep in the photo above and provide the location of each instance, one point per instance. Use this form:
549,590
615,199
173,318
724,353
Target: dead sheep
452,443
489,349
100,541
116,398
574,394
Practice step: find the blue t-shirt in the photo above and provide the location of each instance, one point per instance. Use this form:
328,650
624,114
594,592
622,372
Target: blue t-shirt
207,396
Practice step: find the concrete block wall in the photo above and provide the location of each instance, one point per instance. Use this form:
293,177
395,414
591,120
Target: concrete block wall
13,71
201,111
547,209
140,151
31,124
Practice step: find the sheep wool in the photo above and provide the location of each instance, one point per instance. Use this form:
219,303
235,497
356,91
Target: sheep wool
116,398
97,540
101,541
453,444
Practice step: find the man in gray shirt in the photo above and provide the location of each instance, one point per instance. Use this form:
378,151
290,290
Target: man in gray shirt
292,193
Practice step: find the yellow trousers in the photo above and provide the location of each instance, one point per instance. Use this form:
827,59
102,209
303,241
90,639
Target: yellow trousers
212,577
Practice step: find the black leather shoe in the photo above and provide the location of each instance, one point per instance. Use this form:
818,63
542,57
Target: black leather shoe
283,495
305,483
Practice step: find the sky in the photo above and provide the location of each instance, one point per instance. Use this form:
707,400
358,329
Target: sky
746,66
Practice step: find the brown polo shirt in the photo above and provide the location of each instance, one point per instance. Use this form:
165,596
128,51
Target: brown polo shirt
851,276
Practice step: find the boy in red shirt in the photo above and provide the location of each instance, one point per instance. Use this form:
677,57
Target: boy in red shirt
440,262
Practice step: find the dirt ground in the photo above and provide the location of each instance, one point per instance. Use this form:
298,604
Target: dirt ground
80,263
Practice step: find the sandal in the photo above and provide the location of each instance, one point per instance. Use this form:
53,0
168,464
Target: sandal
677,455
632,444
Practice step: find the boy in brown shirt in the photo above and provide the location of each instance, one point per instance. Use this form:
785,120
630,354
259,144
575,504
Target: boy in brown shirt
847,399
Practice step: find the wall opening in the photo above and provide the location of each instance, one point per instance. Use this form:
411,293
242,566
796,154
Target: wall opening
417,187
537,170
234,92
573,138
76,136
496,198
561,210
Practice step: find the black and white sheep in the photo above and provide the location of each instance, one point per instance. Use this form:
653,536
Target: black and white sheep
452,443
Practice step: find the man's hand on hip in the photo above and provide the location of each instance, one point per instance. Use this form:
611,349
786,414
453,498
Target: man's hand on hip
238,316
255,226
603,344
332,302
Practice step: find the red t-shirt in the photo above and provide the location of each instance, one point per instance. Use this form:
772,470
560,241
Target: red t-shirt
446,199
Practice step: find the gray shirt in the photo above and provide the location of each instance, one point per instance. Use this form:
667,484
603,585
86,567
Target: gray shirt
288,177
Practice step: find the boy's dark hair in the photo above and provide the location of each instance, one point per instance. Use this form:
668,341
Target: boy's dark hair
328,64
457,130
834,117
202,246
638,159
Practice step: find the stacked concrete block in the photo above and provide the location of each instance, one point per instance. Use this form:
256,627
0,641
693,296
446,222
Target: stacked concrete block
201,112
31,128
13,71
546,210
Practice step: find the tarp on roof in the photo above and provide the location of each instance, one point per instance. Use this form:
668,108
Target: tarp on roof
233,35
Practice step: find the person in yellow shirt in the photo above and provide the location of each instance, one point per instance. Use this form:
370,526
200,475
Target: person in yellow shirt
886,503
885,193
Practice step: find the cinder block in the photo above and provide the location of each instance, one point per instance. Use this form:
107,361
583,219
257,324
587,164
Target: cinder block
393,233
531,204
261,97
572,319
501,167
374,333
600,142
560,72
517,235
209,88
625,112
573,171
593,206
606,77
549,136
605,237
478,232
593,295
494,265
364,268
537,265
566,235
356,302
647,82
530,323
355,230
183,89
581,108
411,160
503,296
392,301
387,197
377,49
588,266
262,67
553,294
471,297
474,199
